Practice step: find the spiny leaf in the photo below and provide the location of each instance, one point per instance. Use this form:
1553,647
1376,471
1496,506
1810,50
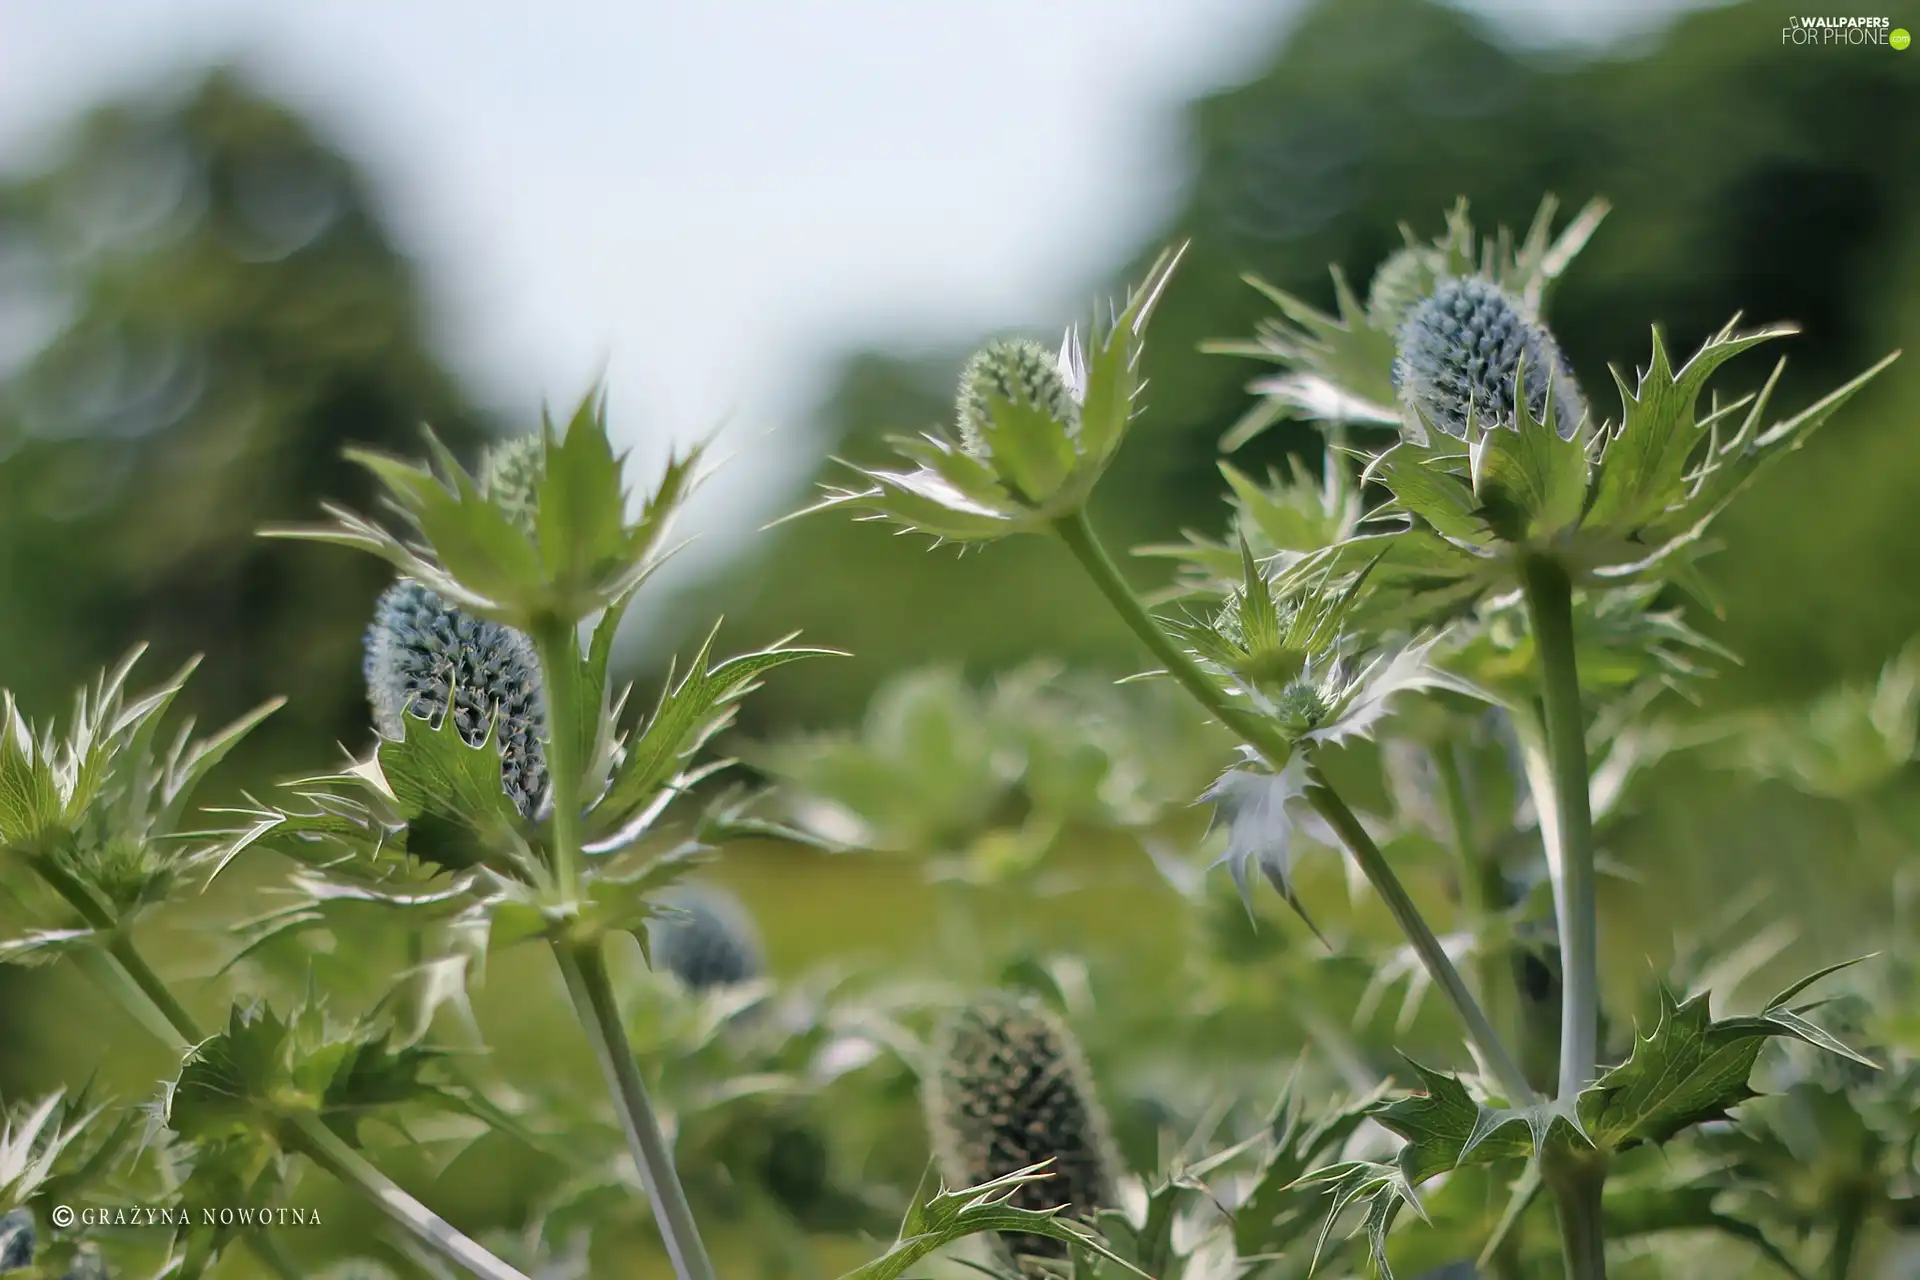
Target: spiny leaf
1690,1069
945,1217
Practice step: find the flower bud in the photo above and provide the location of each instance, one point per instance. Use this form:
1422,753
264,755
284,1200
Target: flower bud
510,475
1008,1089
1019,372
1459,352
419,649
713,944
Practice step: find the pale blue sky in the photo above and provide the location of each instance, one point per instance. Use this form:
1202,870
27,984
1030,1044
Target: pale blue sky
709,200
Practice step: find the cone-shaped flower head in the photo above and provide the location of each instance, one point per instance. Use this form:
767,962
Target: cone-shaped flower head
510,475
1017,373
1037,431
1009,1088
421,651
712,944
1460,353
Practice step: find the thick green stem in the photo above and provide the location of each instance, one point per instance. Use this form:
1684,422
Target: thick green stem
1549,595
558,645
1851,1217
1577,1181
306,1134
585,970
1077,532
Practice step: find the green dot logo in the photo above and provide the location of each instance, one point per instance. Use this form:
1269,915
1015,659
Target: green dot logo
1899,38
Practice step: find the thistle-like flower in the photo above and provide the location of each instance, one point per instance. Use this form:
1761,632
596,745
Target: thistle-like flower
422,654
1339,369
1017,374
1501,470
710,942
1463,353
1009,1088
1036,434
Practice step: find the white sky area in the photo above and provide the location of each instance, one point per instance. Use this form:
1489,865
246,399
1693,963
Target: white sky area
708,201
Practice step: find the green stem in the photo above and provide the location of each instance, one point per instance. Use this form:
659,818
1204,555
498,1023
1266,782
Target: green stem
585,970
559,649
305,1133
1481,891
1373,864
1577,1181
341,1160
1549,595
1851,1218
1077,532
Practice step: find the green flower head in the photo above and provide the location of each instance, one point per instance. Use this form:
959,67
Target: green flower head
1020,374
1037,431
1008,1089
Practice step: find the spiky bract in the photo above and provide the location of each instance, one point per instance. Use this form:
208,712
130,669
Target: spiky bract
1459,353
420,651
1009,1088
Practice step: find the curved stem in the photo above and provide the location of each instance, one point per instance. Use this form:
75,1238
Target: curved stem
1077,532
585,971
1373,863
306,1134
1549,595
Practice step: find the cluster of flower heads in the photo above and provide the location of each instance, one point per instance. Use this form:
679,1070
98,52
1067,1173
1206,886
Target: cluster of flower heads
1008,1089
1464,353
424,656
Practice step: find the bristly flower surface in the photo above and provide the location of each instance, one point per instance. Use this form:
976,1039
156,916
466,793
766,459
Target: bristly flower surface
424,655
1467,351
1008,1088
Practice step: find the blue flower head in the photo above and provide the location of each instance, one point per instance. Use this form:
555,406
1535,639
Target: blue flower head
420,647
713,944
1459,352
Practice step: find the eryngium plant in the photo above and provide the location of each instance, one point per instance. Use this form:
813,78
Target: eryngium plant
1008,1089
